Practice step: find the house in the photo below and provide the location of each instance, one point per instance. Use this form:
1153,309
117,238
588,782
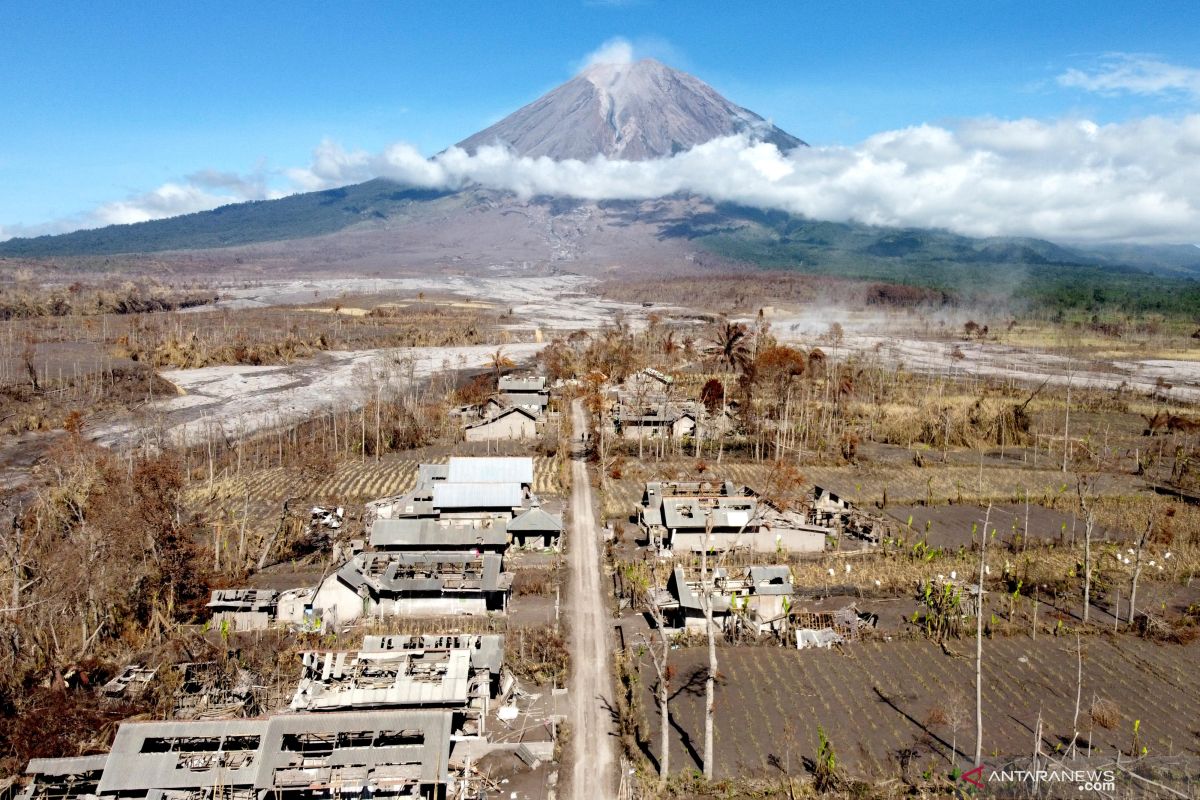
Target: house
676,515
536,529
63,778
647,382
459,672
397,754
757,597
483,534
514,422
529,393
243,609
397,583
651,422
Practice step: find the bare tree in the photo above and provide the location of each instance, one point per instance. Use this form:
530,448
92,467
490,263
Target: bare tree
710,687
1089,524
660,653
1143,540
979,641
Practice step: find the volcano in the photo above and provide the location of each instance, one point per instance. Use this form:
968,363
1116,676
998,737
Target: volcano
631,111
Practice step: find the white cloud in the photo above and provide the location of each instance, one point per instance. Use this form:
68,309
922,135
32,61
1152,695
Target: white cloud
617,51
1068,180
1131,73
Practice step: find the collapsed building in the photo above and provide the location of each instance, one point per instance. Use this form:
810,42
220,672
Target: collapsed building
691,516
392,754
457,672
755,597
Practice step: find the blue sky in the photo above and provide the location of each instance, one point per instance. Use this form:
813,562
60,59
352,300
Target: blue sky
105,101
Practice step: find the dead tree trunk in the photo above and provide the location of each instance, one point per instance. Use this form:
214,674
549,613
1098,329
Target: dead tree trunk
979,641
706,588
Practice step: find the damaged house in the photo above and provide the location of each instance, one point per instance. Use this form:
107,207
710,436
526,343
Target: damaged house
528,393
243,609
458,672
397,754
378,584
688,516
757,597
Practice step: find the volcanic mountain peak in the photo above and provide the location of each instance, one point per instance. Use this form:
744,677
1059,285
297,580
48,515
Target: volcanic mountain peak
631,111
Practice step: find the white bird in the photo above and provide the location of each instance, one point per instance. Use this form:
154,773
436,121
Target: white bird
847,569
831,572
1168,555
987,570
878,582
953,574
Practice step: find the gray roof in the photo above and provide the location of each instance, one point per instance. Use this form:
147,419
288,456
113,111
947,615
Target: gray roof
450,495
405,572
502,414
405,747
689,598
428,474
770,580
536,520
66,766
518,399
487,649
509,383
689,514
432,534
427,761
490,470
133,766
243,599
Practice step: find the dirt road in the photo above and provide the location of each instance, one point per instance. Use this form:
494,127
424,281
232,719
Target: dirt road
593,774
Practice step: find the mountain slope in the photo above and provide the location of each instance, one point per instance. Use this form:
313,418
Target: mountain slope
295,217
631,112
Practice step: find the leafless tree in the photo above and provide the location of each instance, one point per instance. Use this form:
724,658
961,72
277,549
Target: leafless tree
979,641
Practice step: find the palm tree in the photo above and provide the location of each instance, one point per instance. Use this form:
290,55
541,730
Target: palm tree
730,345
499,362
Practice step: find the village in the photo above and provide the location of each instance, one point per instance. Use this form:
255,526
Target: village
601,565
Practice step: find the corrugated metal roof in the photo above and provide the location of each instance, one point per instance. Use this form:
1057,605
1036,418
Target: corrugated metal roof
509,383
477,495
535,520
434,533
130,768
428,474
441,680
687,513
492,469
66,766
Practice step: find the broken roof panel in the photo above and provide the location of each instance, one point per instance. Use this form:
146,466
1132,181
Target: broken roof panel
408,746
149,755
428,474
492,469
690,513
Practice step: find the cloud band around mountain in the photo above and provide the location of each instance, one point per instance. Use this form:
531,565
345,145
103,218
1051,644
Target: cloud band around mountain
1068,180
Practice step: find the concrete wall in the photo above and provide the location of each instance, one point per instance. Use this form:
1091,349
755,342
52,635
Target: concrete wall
513,426
760,541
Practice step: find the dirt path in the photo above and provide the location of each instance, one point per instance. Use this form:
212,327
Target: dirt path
594,770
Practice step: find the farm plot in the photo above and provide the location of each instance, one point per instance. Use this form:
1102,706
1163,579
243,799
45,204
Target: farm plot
952,526
877,700
349,482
